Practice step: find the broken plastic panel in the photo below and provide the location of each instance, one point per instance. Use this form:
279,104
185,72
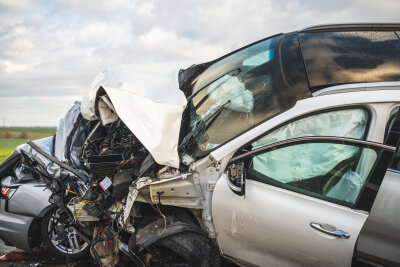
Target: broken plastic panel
14,257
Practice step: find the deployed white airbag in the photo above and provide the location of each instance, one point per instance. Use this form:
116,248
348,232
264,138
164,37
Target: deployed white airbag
309,160
153,115
347,188
229,88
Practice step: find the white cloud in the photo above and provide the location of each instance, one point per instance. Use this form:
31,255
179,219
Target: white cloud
10,67
13,4
169,46
145,9
56,48
95,33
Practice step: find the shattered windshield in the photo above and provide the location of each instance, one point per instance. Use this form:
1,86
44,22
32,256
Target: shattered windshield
235,94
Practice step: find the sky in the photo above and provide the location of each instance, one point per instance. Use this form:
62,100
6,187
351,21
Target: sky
50,51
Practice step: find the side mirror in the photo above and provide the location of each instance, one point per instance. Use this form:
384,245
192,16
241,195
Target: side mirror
237,178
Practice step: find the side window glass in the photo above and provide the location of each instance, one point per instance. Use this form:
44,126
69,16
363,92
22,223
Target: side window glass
391,123
351,123
334,172
392,135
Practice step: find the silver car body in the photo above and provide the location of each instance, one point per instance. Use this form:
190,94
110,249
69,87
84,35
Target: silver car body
270,226
18,215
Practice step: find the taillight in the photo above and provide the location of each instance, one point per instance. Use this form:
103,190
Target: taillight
7,192
4,190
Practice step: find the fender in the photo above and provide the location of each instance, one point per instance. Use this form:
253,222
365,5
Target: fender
30,199
160,229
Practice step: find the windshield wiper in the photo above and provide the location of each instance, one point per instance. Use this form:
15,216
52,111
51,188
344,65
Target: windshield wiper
202,124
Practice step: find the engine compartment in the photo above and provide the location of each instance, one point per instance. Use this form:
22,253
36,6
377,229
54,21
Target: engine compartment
104,167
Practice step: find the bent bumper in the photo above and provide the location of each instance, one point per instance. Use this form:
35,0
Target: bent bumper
14,229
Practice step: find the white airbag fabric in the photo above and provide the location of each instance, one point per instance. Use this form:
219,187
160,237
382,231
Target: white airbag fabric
349,123
153,115
303,161
229,88
309,160
347,188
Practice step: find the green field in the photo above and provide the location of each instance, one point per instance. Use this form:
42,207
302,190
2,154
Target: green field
14,136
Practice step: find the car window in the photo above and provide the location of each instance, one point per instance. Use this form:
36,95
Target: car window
391,123
235,94
351,123
392,133
334,172
333,58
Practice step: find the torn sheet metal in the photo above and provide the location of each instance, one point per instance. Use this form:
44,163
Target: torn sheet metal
153,115
52,168
64,129
134,191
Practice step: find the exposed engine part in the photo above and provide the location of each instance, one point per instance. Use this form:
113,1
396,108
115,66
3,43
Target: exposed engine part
121,183
113,138
96,183
110,146
103,165
79,213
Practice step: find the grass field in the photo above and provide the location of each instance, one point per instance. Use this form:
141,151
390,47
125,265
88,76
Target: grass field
7,145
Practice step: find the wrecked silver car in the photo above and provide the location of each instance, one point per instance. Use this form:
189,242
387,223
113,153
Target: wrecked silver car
260,155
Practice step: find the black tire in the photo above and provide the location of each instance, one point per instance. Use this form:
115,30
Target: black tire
55,251
178,243
194,248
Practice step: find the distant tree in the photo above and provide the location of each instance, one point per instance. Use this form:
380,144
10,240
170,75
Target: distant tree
7,135
23,135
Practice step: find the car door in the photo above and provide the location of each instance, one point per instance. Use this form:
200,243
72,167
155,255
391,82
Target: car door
378,242
305,201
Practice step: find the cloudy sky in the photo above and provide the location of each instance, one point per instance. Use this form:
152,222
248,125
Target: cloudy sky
50,51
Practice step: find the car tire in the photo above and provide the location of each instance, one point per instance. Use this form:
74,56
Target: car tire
73,248
175,243
194,248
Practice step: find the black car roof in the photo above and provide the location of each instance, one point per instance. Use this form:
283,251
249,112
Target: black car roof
350,53
352,27
366,57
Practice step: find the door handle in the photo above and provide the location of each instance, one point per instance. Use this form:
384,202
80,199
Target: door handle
330,230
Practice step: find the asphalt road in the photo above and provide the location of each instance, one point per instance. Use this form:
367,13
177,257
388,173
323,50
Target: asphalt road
38,258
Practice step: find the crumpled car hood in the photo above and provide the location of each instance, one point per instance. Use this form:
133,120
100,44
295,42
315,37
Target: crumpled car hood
153,115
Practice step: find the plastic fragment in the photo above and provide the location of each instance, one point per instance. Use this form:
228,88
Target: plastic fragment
14,257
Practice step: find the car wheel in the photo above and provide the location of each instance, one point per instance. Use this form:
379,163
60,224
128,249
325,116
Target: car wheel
59,241
174,243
